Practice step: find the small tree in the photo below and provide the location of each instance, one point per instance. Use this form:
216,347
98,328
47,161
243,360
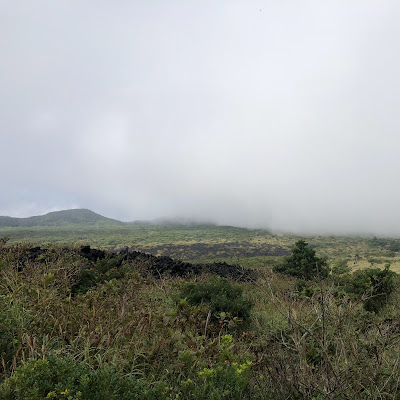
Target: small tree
303,263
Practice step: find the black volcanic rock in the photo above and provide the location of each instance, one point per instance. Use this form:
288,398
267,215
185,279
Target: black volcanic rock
92,254
162,265
156,266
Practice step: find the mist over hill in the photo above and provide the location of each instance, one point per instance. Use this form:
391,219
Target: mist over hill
60,218
173,221
85,217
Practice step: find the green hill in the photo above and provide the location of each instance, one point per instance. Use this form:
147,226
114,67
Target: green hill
60,218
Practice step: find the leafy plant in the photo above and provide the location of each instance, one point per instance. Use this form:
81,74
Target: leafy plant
227,378
303,288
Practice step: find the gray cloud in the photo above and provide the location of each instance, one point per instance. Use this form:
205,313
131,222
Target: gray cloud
284,118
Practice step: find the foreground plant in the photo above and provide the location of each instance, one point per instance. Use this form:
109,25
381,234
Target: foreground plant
57,378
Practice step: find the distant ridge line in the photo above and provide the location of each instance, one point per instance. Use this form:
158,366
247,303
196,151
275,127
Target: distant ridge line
86,217
78,216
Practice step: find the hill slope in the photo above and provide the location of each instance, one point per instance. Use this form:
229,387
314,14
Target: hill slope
60,218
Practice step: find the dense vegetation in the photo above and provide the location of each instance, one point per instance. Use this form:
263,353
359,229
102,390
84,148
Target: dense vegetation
79,327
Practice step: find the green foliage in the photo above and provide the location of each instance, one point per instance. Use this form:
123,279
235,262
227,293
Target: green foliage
14,319
390,244
341,267
394,245
220,296
57,378
228,378
303,263
14,322
104,270
3,241
374,284
303,288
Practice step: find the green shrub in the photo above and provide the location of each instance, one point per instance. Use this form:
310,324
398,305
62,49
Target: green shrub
303,263
228,378
394,245
303,288
57,378
104,270
373,283
3,241
220,295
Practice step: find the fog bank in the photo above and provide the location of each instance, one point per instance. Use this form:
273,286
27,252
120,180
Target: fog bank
270,114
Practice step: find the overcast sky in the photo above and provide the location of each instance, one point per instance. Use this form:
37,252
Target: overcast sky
278,114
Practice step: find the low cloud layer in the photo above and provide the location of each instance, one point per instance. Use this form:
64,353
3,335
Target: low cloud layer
254,113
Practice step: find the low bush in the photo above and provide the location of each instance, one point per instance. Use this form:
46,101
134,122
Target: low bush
57,378
220,295
374,284
341,267
228,378
104,270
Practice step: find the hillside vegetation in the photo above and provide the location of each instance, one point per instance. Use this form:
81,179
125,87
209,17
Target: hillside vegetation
59,218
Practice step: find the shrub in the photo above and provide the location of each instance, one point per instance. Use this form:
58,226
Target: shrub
374,283
57,378
220,295
303,263
104,270
303,288
394,246
228,378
